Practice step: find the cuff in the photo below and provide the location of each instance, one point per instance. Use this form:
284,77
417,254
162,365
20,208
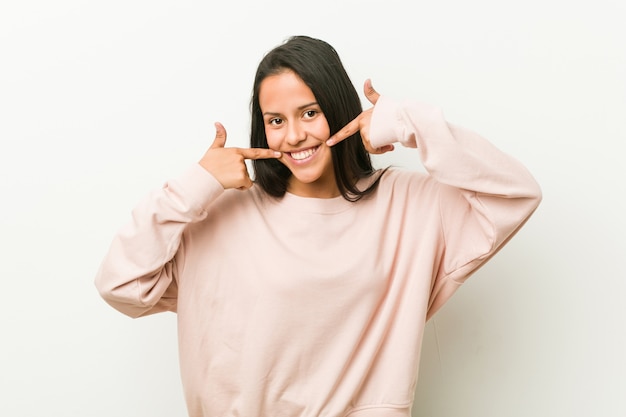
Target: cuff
385,118
199,186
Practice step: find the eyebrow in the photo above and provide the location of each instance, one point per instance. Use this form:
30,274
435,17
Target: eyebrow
304,106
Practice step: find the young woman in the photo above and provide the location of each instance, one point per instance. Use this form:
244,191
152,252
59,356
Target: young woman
305,291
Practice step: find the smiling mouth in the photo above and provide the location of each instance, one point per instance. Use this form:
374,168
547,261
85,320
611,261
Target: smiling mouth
303,154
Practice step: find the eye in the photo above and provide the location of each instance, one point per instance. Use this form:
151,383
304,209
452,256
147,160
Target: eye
309,114
275,121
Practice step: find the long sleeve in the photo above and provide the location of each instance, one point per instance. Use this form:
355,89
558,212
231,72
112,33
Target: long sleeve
138,274
485,195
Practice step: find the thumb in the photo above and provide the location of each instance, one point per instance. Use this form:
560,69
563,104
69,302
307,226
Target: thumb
371,94
220,136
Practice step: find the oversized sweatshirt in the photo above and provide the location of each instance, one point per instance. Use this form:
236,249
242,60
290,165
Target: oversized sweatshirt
306,307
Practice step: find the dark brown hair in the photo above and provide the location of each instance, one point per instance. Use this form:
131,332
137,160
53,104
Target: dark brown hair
319,66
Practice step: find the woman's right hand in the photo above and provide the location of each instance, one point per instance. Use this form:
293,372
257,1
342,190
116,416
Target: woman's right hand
228,165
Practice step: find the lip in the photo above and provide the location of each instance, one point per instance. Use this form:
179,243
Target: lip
313,152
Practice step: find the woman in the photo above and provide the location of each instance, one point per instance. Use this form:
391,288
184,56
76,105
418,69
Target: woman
306,291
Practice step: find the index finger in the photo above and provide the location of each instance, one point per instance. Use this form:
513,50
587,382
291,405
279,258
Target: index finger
258,153
345,132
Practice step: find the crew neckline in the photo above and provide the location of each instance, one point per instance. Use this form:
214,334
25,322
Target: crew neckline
316,204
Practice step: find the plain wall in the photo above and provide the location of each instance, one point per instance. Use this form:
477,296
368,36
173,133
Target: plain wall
102,101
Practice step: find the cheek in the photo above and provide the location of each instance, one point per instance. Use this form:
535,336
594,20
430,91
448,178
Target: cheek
323,130
273,139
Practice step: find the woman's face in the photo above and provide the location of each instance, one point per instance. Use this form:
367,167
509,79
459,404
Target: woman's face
295,125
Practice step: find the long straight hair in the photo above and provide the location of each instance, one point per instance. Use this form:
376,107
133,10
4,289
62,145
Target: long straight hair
319,66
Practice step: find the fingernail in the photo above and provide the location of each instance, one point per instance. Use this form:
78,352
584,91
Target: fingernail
277,154
330,142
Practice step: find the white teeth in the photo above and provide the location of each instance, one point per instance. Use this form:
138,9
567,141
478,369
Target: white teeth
303,154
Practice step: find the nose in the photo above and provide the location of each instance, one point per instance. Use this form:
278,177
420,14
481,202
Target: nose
295,133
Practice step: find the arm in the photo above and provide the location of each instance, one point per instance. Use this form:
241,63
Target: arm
138,274
485,196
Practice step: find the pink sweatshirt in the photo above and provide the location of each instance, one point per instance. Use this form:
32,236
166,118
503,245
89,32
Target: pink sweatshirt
304,307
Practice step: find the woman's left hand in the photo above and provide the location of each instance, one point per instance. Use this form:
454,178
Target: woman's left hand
361,123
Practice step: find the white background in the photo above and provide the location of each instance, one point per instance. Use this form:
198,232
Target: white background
102,101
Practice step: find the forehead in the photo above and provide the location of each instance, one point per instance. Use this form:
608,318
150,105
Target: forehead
284,89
